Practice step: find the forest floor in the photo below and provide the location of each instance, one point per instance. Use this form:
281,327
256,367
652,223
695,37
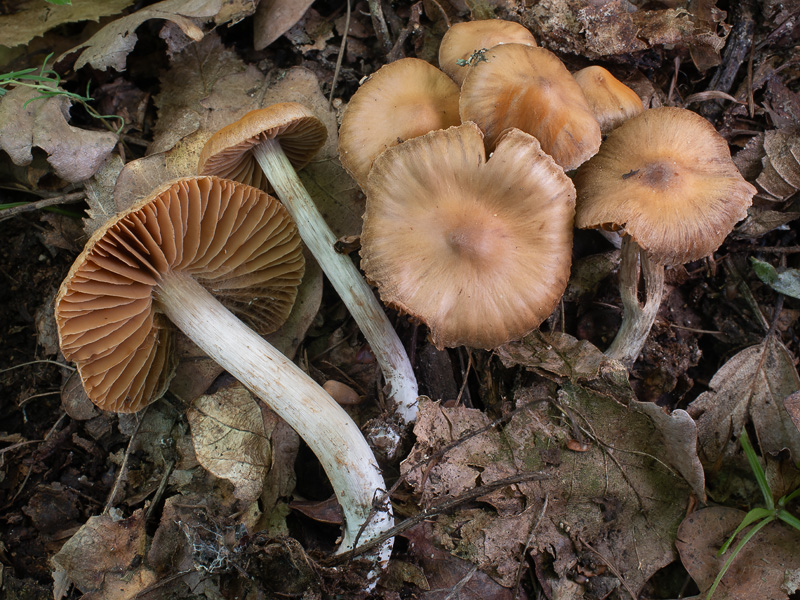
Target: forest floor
626,482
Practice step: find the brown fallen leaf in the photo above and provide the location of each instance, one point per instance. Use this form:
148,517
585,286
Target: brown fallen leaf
75,154
767,567
619,496
446,575
750,387
101,558
231,439
32,19
274,18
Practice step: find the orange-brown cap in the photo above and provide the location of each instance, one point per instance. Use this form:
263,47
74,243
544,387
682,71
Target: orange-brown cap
667,178
400,101
478,249
462,40
228,153
612,102
530,89
235,240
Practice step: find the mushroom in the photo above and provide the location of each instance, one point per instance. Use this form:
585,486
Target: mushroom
463,40
268,141
666,179
478,249
166,258
530,89
399,101
611,101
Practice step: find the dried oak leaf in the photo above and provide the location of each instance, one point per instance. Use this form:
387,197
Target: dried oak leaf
110,46
231,439
100,194
103,558
750,387
75,154
618,496
34,18
767,567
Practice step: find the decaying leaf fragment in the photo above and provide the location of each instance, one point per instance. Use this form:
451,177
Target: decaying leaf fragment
619,496
231,439
99,557
75,154
780,176
750,387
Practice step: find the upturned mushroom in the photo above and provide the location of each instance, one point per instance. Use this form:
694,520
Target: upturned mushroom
268,141
479,249
611,101
167,258
530,88
665,179
399,101
463,40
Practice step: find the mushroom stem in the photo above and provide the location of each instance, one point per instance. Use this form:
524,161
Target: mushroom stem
637,318
345,278
305,406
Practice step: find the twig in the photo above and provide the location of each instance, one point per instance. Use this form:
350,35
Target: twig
124,467
13,211
610,566
341,53
461,583
446,505
379,24
518,576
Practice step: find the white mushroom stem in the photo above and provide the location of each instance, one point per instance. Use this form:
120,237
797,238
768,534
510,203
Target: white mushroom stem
305,406
637,318
345,278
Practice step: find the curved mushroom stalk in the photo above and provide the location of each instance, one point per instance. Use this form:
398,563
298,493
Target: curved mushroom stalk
276,138
305,406
344,276
638,318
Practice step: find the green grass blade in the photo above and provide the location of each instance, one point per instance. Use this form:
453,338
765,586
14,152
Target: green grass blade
748,536
758,471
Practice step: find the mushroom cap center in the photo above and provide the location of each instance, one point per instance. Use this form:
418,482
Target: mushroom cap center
474,241
660,174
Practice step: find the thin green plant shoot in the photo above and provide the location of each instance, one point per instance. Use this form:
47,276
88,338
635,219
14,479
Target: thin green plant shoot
757,518
47,82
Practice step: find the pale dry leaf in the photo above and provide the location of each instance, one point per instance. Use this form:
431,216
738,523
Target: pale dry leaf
100,194
760,570
231,439
35,17
75,154
274,18
98,558
750,387
110,46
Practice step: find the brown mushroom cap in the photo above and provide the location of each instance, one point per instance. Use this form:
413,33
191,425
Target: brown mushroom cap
478,249
228,153
667,178
235,240
400,101
462,40
612,102
530,89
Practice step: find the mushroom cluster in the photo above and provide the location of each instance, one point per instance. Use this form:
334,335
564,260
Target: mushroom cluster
476,247
433,216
